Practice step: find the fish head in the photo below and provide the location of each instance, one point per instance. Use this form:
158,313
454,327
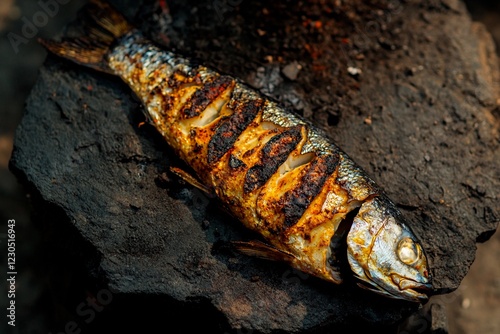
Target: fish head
385,254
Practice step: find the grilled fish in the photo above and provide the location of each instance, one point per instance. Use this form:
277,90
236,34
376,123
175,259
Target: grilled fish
278,174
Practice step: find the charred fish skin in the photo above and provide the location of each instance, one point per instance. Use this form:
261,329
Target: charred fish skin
277,173
280,175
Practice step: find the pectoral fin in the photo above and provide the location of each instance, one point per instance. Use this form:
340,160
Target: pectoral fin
264,251
192,181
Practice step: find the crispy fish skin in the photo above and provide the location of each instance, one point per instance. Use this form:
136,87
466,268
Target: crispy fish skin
277,173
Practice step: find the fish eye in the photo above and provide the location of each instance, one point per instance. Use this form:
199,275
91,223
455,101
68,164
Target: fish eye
408,252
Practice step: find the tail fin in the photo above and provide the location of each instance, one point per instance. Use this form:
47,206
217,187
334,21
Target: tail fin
103,25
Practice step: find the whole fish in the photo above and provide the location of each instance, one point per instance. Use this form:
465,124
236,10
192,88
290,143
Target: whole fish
276,173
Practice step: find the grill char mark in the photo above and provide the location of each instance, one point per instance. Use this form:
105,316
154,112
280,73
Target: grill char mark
205,95
231,127
296,201
273,154
235,162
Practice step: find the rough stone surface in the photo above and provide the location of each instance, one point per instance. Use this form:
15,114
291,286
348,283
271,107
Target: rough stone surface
421,117
439,323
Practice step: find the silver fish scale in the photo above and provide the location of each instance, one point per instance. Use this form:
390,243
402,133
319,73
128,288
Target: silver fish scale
153,58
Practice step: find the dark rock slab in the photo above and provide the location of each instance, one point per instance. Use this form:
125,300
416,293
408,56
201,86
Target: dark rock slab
408,89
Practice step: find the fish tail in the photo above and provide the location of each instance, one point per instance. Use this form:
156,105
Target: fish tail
103,25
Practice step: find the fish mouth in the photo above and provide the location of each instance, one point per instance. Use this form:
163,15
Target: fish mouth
414,289
404,288
397,287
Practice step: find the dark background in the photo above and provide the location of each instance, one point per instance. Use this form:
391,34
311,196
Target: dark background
471,309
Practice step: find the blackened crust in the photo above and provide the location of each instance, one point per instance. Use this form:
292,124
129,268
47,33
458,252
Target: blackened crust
230,128
272,155
235,162
205,95
297,200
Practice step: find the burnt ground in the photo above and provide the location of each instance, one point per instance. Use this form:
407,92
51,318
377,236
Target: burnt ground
423,87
